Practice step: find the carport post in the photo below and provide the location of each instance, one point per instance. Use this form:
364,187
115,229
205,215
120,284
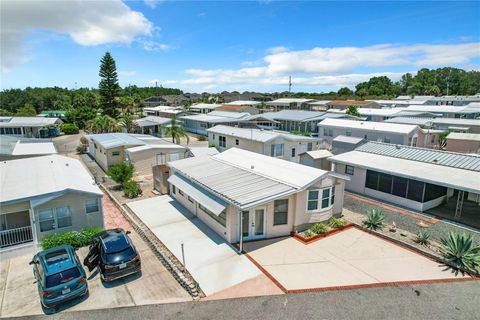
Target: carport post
241,231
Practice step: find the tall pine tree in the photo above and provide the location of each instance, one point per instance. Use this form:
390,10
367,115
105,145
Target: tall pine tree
108,87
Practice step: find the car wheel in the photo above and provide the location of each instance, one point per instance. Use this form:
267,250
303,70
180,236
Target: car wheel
49,310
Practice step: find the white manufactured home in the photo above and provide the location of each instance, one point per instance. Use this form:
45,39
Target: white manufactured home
243,195
282,145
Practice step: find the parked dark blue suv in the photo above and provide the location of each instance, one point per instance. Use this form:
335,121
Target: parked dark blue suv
114,253
59,274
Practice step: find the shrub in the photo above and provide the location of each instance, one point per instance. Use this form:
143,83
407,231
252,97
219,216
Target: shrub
319,228
461,252
76,239
335,222
202,138
84,140
131,189
423,237
121,172
81,148
69,128
308,234
374,220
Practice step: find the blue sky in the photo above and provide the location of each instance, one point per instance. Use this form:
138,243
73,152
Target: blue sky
216,46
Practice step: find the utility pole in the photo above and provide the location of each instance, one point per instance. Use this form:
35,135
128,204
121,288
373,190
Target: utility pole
289,84
156,88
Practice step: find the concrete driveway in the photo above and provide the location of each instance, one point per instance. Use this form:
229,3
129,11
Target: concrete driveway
19,296
213,263
349,258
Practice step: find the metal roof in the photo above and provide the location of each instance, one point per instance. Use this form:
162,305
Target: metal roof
436,157
257,134
347,139
117,139
368,125
245,178
464,136
292,115
45,176
28,121
152,121
408,120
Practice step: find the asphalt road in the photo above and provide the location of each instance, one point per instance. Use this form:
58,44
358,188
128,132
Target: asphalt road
460,300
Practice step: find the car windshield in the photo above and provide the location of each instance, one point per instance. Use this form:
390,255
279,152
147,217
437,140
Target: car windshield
116,257
62,277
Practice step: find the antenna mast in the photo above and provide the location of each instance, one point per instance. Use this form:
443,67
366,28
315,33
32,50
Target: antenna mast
289,84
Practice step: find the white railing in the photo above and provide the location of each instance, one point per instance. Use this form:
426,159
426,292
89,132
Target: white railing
15,236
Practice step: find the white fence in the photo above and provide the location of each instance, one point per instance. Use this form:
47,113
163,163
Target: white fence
15,236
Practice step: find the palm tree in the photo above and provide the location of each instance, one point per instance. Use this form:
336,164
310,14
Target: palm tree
176,131
127,121
102,124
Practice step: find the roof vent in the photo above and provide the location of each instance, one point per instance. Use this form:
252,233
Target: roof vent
66,164
435,161
252,167
397,146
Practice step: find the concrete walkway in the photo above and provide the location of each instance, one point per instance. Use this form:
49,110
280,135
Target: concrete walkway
213,263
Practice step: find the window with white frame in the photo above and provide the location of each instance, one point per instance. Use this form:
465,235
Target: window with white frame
349,170
115,153
309,146
222,141
328,132
54,218
293,152
348,133
280,212
277,150
91,205
46,219
237,142
320,198
64,217
386,140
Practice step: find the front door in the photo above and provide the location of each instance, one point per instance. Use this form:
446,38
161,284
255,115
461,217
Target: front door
253,224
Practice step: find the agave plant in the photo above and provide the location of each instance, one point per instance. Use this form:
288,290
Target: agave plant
461,252
374,220
423,237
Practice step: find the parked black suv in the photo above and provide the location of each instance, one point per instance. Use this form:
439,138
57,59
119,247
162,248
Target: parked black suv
114,253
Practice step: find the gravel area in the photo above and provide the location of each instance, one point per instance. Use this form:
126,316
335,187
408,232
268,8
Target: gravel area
437,230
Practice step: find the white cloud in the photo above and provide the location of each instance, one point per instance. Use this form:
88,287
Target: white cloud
127,73
151,45
278,49
334,67
152,3
87,23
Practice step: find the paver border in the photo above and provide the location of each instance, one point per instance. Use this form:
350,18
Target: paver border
299,237
469,277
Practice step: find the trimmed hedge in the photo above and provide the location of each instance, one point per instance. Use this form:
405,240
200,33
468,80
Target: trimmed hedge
76,239
69,128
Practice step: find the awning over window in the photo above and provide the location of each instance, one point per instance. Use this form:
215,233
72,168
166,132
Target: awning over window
196,192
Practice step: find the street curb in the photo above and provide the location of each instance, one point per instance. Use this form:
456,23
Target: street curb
168,260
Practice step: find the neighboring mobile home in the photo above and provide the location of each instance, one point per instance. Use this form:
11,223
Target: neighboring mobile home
414,178
46,195
244,195
111,148
30,127
276,144
199,123
463,142
12,147
368,130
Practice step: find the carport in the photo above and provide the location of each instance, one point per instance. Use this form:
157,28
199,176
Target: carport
213,263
